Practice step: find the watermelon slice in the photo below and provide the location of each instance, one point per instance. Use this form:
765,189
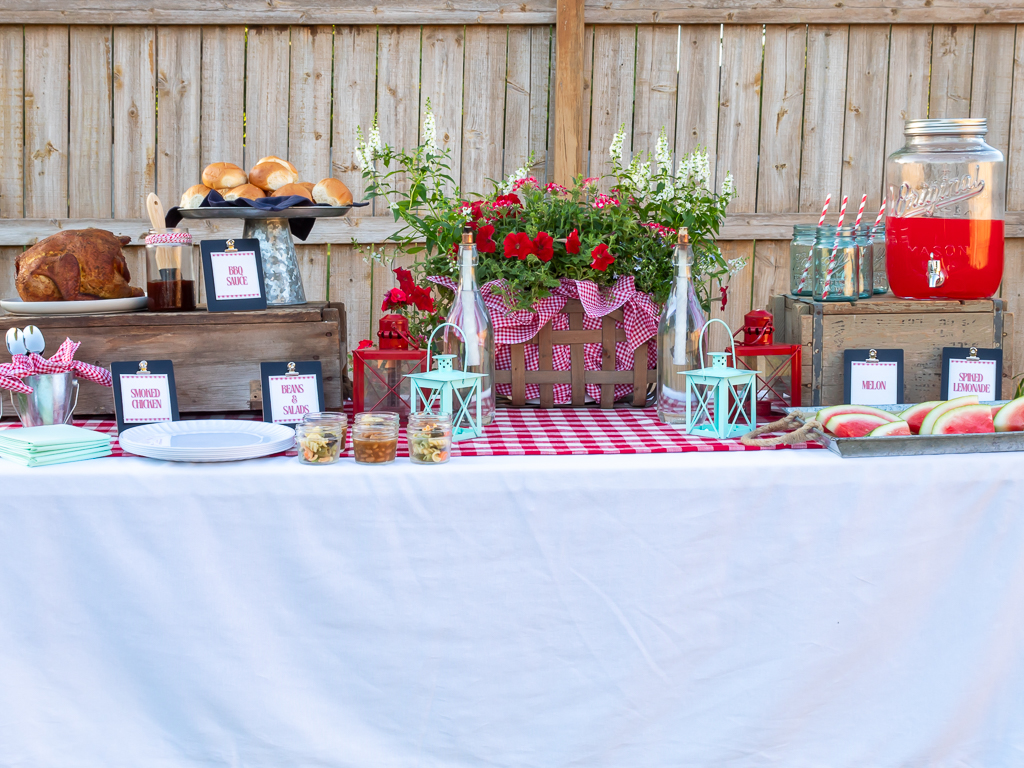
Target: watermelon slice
854,424
891,429
915,414
825,414
929,421
965,420
1010,417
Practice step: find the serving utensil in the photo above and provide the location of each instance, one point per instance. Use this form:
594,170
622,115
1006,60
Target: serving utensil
34,340
168,260
15,342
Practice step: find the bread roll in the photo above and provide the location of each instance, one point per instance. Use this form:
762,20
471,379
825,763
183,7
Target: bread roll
248,191
223,176
271,176
285,163
293,189
194,195
332,192
308,185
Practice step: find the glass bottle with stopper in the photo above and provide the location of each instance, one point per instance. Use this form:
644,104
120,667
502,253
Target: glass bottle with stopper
474,345
678,335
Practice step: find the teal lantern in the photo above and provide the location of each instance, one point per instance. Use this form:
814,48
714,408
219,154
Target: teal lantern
723,397
457,393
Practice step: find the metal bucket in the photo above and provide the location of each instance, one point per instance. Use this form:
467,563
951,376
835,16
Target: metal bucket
50,399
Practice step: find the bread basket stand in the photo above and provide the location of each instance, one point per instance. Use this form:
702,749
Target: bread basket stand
281,276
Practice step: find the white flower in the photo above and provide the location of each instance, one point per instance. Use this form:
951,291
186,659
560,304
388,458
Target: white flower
643,179
728,188
662,154
367,151
430,129
685,169
702,169
616,149
519,173
736,265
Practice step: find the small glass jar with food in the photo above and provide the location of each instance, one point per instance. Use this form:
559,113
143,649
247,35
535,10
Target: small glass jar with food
321,437
375,437
170,286
430,437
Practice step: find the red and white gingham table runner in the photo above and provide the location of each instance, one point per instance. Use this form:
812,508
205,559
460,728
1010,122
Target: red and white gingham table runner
546,432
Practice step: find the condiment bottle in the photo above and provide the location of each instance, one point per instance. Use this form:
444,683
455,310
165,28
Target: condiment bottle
430,437
375,437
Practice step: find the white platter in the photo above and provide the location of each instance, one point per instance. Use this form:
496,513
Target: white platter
207,440
96,307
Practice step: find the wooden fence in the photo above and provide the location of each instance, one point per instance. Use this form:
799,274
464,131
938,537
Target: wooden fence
798,98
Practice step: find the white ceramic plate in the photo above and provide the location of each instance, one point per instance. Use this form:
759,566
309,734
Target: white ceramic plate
207,440
97,307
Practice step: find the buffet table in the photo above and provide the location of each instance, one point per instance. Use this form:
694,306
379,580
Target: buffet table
705,609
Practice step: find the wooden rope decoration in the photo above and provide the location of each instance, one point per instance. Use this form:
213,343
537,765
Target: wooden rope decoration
788,422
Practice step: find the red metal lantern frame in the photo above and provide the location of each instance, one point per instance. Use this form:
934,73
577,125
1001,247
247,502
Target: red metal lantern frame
394,343
771,381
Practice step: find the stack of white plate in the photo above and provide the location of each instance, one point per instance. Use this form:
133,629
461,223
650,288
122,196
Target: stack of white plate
207,440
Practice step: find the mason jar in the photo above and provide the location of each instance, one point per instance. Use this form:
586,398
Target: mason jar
836,265
801,260
170,285
321,437
430,437
945,207
865,262
878,258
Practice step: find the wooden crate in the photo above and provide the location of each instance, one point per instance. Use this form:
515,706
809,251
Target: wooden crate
577,376
920,328
216,356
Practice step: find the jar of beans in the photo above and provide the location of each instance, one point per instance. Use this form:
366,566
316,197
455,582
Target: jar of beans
375,437
321,437
430,437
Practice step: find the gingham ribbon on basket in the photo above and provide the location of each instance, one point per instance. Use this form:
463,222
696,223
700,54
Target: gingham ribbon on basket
63,360
639,321
169,238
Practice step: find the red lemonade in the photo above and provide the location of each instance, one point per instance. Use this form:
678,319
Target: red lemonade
971,252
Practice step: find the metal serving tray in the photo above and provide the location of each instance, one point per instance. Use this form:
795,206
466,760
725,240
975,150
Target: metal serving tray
914,445
295,212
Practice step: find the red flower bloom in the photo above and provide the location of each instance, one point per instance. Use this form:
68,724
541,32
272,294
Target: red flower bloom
506,204
394,299
422,299
365,344
405,281
474,208
544,246
572,243
518,244
601,258
484,243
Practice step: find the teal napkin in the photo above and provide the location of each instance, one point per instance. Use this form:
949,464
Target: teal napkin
55,457
52,438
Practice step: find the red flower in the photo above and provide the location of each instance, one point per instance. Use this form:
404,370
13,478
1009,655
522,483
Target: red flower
422,299
474,208
484,243
365,344
601,258
405,281
518,244
506,204
394,299
544,246
572,243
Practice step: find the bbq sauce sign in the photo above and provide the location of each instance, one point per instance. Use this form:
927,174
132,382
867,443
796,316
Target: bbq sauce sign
291,390
144,393
233,275
972,372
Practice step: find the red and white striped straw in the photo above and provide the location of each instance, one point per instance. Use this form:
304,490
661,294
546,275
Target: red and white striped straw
835,249
881,213
860,212
810,255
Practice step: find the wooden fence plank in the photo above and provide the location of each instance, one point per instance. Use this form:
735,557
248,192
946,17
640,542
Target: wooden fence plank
782,112
739,113
657,86
350,284
571,105
864,131
740,286
12,103
1013,293
46,121
355,97
223,102
134,150
771,272
266,93
540,93
178,82
442,72
910,53
90,134
587,105
614,73
482,126
992,86
398,69
696,114
952,66
517,100
1015,154
821,163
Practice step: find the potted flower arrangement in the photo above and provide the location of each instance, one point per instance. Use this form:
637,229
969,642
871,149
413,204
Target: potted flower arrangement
541,245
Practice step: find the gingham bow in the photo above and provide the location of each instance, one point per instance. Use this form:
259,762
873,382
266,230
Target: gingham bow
63,360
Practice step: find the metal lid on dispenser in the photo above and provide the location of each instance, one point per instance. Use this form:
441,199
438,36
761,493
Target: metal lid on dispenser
972,126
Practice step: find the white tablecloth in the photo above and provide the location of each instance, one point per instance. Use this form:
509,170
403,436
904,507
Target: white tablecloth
785,608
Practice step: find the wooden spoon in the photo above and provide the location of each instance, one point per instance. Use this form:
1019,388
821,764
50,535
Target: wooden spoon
168,260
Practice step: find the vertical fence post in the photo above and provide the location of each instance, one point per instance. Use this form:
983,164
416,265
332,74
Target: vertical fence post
569,91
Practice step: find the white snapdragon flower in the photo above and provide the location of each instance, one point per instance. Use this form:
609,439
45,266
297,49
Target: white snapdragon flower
430,129
728,185
736,265
685,172
643,179
702,167
617,141
662,154
519,173
368,150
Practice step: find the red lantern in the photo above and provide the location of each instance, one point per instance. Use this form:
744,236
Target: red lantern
773,363
379,382
758,328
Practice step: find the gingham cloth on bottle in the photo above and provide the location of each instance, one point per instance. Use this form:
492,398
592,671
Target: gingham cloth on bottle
639,321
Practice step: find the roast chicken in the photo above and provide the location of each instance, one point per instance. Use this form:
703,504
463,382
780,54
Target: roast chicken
76,265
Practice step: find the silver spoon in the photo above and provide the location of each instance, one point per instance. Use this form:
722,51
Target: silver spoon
15,342
34,340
